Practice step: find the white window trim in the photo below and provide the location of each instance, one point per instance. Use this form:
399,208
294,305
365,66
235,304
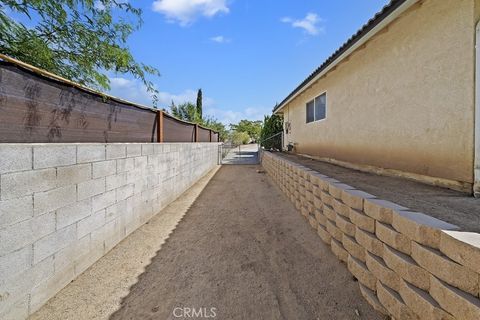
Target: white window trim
326,108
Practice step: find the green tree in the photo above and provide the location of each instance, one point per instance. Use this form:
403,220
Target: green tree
216,125
199,103
252,128
80,40
270,137
186,111
239,137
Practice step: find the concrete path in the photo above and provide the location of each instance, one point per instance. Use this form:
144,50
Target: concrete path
244,154
241,251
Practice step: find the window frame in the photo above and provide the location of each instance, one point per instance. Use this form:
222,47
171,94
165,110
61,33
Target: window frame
314,108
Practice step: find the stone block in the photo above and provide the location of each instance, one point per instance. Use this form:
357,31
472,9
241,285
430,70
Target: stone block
24,183
116,181
329,212
446,269
325,183
421,303
15,288
67,256
48,156
406,267
353,247
90,188
74,174
326,198
47,201
336,189
324,234
125,192
18,310
90,153
382,272
103,200
134,150
369,241
355,198
340,208
48,288
394,239
54,242
456,302
345,225
15,210
304,211
336,233
362,221
320,217
309,196
381,210
462,247
361,273
125,165
317,202
73,213
104,168
339,251
15,158
15,262
147,149
90,223
372,299
420,227
313,222
24,233
116,151
394,303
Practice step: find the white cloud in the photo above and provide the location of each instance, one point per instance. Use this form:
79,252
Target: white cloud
186,11
233,116
135,91
310,24
220,39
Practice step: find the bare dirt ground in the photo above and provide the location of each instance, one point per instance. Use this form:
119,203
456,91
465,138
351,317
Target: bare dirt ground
240,248
444,204
244,250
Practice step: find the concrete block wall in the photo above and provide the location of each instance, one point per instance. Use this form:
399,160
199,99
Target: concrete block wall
408,265
63,206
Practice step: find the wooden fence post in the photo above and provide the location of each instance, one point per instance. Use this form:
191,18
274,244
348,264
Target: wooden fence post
210,135
160,126
196,132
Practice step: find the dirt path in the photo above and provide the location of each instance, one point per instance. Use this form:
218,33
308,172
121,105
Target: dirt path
243,250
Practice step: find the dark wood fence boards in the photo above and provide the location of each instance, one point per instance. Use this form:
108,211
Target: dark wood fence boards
35,107
176,130
203,134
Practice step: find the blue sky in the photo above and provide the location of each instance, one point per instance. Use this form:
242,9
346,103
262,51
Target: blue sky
246,55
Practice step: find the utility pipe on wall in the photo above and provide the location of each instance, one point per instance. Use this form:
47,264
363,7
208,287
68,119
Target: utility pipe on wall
476,165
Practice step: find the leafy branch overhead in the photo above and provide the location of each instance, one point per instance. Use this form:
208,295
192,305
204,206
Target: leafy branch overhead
79,40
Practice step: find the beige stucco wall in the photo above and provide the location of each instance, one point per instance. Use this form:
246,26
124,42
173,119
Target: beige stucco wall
405,100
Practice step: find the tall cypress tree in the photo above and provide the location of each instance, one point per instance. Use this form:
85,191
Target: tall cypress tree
199,103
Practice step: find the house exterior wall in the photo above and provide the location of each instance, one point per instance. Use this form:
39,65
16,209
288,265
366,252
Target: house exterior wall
403,101
64,206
